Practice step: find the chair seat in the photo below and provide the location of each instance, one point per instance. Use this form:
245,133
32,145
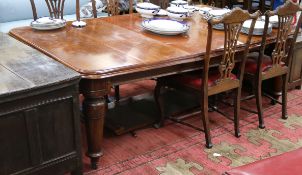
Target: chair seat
195,81
251,63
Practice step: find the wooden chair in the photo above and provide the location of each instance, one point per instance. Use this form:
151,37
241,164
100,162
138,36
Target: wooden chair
210,83
260,67
55,8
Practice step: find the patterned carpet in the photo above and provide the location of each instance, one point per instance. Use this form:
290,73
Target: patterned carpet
179,150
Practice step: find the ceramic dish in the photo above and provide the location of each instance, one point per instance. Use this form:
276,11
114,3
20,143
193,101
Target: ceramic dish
190,8
178,3
165,26
47,23
162,12
177,13
259,27
147,10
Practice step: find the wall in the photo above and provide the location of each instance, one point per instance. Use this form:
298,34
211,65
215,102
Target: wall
12,10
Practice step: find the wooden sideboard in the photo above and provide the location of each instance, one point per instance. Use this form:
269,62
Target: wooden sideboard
296,71
39,113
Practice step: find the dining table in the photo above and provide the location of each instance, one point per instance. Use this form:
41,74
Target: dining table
117,50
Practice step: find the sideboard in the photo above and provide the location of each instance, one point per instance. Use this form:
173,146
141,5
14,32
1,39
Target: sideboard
296,71
39,113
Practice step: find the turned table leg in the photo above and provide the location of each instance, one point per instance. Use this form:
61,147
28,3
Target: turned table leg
94,109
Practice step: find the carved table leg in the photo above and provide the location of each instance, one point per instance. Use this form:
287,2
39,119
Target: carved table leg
94,108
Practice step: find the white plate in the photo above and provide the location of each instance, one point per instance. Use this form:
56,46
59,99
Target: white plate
258,24
165,26
162,12
259,27
56,24
218,13
163,32
45,20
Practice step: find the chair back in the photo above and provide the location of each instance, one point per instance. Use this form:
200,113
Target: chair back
283,50
232,22
113,7
55,8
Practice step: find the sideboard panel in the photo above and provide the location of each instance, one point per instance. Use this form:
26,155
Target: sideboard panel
39,131
14,147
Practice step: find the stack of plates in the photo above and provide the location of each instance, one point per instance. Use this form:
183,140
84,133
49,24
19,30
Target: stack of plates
273,20
47,23
217,14
259,27
165,26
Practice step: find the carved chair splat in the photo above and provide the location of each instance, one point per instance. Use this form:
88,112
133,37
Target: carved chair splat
209,83
55,8
261,67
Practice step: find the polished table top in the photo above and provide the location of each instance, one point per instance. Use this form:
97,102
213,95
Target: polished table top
117,44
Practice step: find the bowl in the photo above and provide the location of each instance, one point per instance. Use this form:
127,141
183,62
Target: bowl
147,10
178,3
190,8
177,13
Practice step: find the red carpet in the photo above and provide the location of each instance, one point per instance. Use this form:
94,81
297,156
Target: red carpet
179,150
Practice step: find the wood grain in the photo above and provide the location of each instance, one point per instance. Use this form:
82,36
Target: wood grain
118,43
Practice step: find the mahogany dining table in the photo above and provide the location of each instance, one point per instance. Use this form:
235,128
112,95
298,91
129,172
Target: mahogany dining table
117,50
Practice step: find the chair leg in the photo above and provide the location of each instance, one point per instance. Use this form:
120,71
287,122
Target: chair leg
214,104
117,93
237,111
205,122
284,95
259,103
159,103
